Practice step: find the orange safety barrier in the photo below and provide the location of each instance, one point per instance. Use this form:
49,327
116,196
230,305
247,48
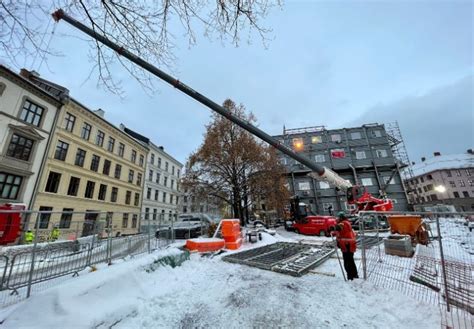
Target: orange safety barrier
234,245
232,238
205,244
230,229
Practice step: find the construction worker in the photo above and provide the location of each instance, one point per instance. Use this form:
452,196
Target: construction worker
346,241
29,237
54,235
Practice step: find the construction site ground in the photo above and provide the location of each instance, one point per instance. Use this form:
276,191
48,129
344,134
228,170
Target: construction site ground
205,292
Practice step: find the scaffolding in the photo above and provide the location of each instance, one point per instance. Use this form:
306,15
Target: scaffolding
399,149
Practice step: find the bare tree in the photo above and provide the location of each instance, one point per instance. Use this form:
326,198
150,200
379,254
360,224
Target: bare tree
233,166
146,28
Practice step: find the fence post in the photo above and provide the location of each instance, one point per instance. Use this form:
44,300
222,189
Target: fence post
443,265
362,241
109,239
149,232
33,255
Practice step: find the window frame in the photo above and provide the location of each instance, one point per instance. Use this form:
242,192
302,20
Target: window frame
32,113
12,186
69,122
61,152
17,152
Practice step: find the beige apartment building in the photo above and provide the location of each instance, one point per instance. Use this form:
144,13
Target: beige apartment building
92,166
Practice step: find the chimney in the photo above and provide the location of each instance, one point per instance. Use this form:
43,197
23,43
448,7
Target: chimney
28,74
122,127
470,151
100,112
437,154
423,159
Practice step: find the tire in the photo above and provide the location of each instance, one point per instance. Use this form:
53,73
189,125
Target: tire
186,235
322,233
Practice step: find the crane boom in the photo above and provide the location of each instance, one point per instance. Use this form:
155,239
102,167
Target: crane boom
318,172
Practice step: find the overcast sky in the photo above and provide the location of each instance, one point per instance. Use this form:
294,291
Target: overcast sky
329,63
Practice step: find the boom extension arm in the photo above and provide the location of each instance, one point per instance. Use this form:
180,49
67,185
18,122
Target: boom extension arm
318,172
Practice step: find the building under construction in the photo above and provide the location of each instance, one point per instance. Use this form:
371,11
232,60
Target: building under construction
372,155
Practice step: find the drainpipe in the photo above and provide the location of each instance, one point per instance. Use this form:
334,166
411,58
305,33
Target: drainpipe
356,180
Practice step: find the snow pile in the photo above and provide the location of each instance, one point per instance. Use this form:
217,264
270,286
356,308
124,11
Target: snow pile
209,293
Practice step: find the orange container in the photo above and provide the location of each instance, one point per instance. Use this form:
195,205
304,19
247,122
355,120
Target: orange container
230,230
229,222
234,245
232,238
403,224
204,245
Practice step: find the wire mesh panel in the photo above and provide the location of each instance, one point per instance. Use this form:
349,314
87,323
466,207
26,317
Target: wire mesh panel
435,267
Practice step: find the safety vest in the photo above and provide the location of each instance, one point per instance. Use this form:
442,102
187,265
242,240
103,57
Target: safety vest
29,237
346,238
54,234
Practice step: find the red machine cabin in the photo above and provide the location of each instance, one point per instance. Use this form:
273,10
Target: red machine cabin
10,223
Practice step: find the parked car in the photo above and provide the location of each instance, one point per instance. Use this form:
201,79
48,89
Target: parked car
313,225
188,226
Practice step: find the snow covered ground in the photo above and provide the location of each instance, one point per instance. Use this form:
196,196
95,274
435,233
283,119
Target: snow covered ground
206,292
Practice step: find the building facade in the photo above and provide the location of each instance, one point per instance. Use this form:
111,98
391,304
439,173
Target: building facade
161,193
202,204
443,179
92,166
27,118
362,155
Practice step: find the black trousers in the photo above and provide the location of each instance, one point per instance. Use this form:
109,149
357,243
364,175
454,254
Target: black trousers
350,266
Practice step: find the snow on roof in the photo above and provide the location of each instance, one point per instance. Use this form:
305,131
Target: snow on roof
440,162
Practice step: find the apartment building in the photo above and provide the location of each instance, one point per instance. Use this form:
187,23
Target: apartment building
161,193
92,166
27,118
363,155
443,179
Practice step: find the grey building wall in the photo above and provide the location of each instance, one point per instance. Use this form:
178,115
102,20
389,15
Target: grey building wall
367,158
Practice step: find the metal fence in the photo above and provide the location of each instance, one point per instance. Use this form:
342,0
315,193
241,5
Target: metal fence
439,272
55,246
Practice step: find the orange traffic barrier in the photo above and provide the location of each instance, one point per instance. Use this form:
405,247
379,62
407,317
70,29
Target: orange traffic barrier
205,244
234,245
230,229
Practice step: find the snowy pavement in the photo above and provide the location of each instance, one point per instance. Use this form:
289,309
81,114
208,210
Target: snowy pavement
208,293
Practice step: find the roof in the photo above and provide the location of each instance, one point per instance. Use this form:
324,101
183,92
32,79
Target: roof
442,162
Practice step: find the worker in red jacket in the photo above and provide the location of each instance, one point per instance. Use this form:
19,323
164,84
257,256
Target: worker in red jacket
346,241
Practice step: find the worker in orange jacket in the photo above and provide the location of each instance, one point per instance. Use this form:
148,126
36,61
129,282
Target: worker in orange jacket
346,241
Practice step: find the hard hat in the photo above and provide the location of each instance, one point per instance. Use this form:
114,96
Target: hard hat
341,215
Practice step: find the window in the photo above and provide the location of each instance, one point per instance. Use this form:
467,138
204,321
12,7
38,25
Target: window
73,186
458,173
356,135
338,153
61,150
327,206
155,212
20,147
44,217
434,197
137,199
316,139
172,170
158,177
53,182
125,220
128,197
166,165
429,177
156,195
131,173
185,198
159,162
336,138
147,212
429,187
386,178
171,198
89,190
165,181
9,185
152,158
111,144
142,160
133,157
150,175
80,157
319,158
376,133
148,193
86,131
99,139
448,173
95,162
461,183
134,221
456,194
114,194
69,121
172,184
298,144
66,217
164,197
282,161
422,180
102,192
106,168
121,149
470,182
118,171
360,155
465,194
382,153
452,183
324,185
139,179
367,181
31,113
177,197
468,172
304,186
